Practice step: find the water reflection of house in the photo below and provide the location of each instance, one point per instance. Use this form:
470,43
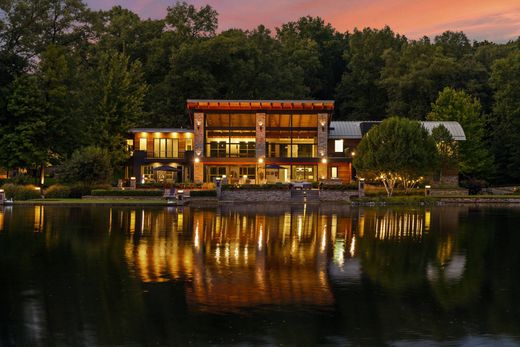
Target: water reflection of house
235,259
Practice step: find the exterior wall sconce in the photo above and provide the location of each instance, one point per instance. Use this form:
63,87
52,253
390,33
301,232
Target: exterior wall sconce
197,159
260,160
324,160
198,125
322,126
353,153
260,124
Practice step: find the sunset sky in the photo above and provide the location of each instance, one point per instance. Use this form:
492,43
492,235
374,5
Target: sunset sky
494,20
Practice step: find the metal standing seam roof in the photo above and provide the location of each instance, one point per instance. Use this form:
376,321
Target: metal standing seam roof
352,130
345,130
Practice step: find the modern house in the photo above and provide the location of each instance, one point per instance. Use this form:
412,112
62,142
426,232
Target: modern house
254,141
153,149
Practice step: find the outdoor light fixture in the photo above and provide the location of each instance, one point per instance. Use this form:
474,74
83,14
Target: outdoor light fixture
245,177
197,159
324,160
198,124
260,160
1,190
353,153
260,124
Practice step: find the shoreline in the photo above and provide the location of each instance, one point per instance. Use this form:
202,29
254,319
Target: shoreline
203,202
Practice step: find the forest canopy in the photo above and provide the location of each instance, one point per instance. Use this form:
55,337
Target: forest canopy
72,77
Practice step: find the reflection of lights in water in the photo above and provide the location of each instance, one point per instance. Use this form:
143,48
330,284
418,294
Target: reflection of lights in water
109,222
1,219
180,220
236,252
427,217
38,218
361,225
339,252
217,254
300,227
196,242
333,227
323,239
353,246
142,221
226,251
393,225
132,221
260,238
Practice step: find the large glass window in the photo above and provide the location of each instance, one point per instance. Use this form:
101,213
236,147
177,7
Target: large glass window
166,148
338,146
291,136
189,144
143,144
214,172
304,173
334,172
248,171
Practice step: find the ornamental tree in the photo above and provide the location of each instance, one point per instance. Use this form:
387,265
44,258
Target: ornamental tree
397,150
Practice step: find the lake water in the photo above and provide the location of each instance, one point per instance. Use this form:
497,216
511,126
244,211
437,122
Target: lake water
259,275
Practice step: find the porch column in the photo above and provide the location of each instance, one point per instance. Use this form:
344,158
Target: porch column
260,148
323,135
198,147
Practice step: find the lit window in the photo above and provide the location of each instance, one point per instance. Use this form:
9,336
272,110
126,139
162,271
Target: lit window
338,146
189,144
142,144
334,172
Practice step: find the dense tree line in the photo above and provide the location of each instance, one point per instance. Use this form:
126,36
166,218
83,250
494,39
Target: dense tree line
71,77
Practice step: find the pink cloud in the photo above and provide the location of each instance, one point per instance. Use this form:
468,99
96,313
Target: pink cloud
497,20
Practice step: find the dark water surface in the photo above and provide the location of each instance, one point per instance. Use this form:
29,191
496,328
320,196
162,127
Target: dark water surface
259,275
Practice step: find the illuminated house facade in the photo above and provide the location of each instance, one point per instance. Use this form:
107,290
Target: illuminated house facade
261,141
254,141
153,148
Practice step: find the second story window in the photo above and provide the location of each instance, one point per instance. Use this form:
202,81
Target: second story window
338,146
165,148
189,144
143,144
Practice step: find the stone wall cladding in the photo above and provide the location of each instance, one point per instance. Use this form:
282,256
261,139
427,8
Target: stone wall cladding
256,195
337,195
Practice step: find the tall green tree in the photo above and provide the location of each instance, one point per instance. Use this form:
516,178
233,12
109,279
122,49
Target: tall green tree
414,77
397,150
505,120
323,75
359,95
475,158
116,92
447,149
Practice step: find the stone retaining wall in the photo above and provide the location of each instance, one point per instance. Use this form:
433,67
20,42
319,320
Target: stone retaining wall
256,195
337,195
449,192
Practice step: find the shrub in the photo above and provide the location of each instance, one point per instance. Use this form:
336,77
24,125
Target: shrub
137,192
90,166
474,186
200,193
57,191
21,192
78,190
